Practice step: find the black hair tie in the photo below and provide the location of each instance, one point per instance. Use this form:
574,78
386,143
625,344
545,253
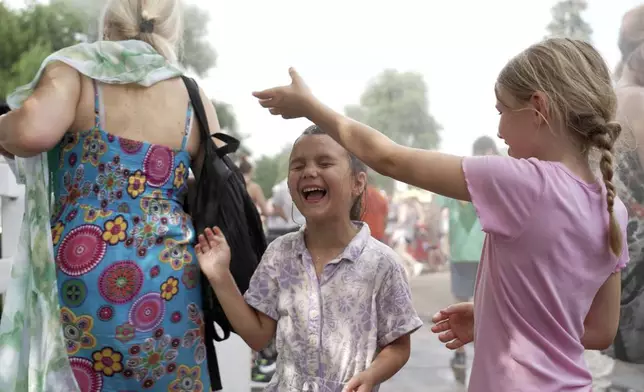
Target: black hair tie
146,26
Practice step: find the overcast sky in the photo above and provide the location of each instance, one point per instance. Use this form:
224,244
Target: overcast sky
339,45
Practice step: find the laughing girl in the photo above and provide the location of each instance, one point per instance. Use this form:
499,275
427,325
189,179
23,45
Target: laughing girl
337,299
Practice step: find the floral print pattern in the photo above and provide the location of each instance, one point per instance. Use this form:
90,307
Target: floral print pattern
179,174
149,361
108,361
115,230
93,185
136,184
188,380
169,288
110,181
77,331
330,328
57,232
93,147
176,254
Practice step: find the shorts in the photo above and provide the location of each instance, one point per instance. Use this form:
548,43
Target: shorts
463,277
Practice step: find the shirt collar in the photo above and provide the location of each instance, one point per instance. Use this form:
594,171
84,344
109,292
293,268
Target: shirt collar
352,252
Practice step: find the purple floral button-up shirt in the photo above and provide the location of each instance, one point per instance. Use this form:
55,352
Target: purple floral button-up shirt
330,329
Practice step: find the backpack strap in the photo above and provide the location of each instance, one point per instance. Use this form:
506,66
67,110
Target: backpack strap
232,144
197,104
210,331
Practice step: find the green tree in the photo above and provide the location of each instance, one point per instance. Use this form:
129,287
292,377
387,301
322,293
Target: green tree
31,34
198,53
567,20
269,170
396,104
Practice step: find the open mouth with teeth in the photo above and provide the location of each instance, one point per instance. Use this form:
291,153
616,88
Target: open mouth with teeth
313,194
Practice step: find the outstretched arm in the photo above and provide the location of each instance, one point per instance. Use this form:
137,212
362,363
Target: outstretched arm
253,326
213,254
430,170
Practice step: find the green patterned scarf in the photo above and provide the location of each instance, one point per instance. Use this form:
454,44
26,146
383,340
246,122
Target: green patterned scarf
32,348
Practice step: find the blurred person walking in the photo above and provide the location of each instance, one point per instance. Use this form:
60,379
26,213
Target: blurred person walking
465,239
622,366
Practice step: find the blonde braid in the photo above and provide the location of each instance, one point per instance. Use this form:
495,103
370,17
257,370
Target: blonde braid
604,140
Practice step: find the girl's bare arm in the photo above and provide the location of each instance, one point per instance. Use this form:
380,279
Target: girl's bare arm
430,170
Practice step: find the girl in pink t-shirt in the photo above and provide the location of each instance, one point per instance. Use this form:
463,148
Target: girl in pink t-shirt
548,284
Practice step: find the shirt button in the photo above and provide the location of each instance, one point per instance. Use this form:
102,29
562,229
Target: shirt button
313,340
314,313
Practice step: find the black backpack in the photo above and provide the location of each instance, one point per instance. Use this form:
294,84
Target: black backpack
4,108
221,200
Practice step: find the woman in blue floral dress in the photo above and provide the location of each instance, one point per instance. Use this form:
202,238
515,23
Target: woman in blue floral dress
130,305
127,279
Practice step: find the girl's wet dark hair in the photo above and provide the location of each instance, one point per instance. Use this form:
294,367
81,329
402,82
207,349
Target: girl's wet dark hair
356,166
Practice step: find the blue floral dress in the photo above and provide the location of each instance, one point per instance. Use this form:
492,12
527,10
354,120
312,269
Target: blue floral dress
127,275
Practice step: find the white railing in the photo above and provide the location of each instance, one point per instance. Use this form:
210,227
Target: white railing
5,270
12,209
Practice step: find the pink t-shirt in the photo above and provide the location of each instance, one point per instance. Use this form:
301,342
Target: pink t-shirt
545,257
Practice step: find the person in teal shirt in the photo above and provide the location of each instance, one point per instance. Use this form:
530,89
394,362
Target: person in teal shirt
465,237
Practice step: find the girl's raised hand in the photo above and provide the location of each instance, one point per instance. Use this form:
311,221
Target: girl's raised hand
455,325
213,253
292,101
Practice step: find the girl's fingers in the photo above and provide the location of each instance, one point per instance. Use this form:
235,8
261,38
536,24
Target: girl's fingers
441,326
265,95
439,316
447,336
198,249
454,344
203,244
212,240
462,307
351,385
275,111
267,103
295,76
